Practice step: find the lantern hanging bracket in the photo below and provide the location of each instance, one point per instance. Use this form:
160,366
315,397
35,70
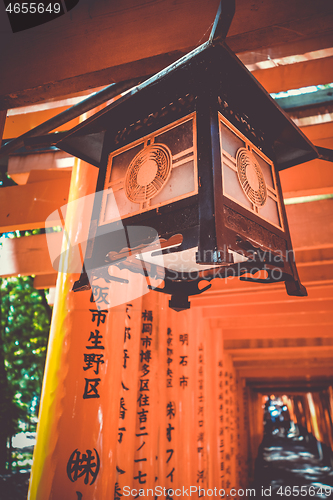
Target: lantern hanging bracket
223,19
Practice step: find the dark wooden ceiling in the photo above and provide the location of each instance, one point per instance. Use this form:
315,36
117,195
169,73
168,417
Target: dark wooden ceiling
100,42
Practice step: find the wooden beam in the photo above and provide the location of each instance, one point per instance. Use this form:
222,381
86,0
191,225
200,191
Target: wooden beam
311,224
28,206
140,43
271,308
313,273
291,387
282,374
255,344
237,288
303,354
327,190
221,296
43,281
311,115
275,332
260,25
28,255
269,321
297,75
319,132
315,174
20,167
17,124
300,46
290,363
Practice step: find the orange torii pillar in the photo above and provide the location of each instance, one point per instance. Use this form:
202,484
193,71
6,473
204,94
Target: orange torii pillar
137,399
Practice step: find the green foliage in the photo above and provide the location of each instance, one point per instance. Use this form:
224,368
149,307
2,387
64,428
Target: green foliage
25,319
22,460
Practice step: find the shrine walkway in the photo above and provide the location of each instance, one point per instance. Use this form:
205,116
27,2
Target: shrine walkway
286,467
293,467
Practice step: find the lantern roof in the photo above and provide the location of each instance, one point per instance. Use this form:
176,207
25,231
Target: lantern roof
211,72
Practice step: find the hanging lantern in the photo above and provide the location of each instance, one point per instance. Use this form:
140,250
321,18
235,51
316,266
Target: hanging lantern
193,154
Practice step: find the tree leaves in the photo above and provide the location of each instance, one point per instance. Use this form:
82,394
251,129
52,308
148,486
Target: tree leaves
25,321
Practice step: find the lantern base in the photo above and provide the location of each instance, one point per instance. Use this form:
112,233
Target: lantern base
179,302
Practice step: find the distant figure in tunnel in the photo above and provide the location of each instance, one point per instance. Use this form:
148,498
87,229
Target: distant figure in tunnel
268,421
284,419
276,417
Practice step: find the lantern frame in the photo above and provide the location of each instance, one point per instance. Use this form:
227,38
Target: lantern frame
210,83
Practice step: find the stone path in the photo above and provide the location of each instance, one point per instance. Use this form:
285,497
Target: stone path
291,467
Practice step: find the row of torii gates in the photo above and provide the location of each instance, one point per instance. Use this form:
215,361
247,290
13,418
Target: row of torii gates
184,408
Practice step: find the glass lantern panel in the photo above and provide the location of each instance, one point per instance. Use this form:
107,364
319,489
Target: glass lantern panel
230,142
232,188
178,139
157,169
266,170
248,175
121,161
270,211
181,182
117,204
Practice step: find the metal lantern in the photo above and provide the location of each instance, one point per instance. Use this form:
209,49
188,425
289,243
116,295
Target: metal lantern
193,154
